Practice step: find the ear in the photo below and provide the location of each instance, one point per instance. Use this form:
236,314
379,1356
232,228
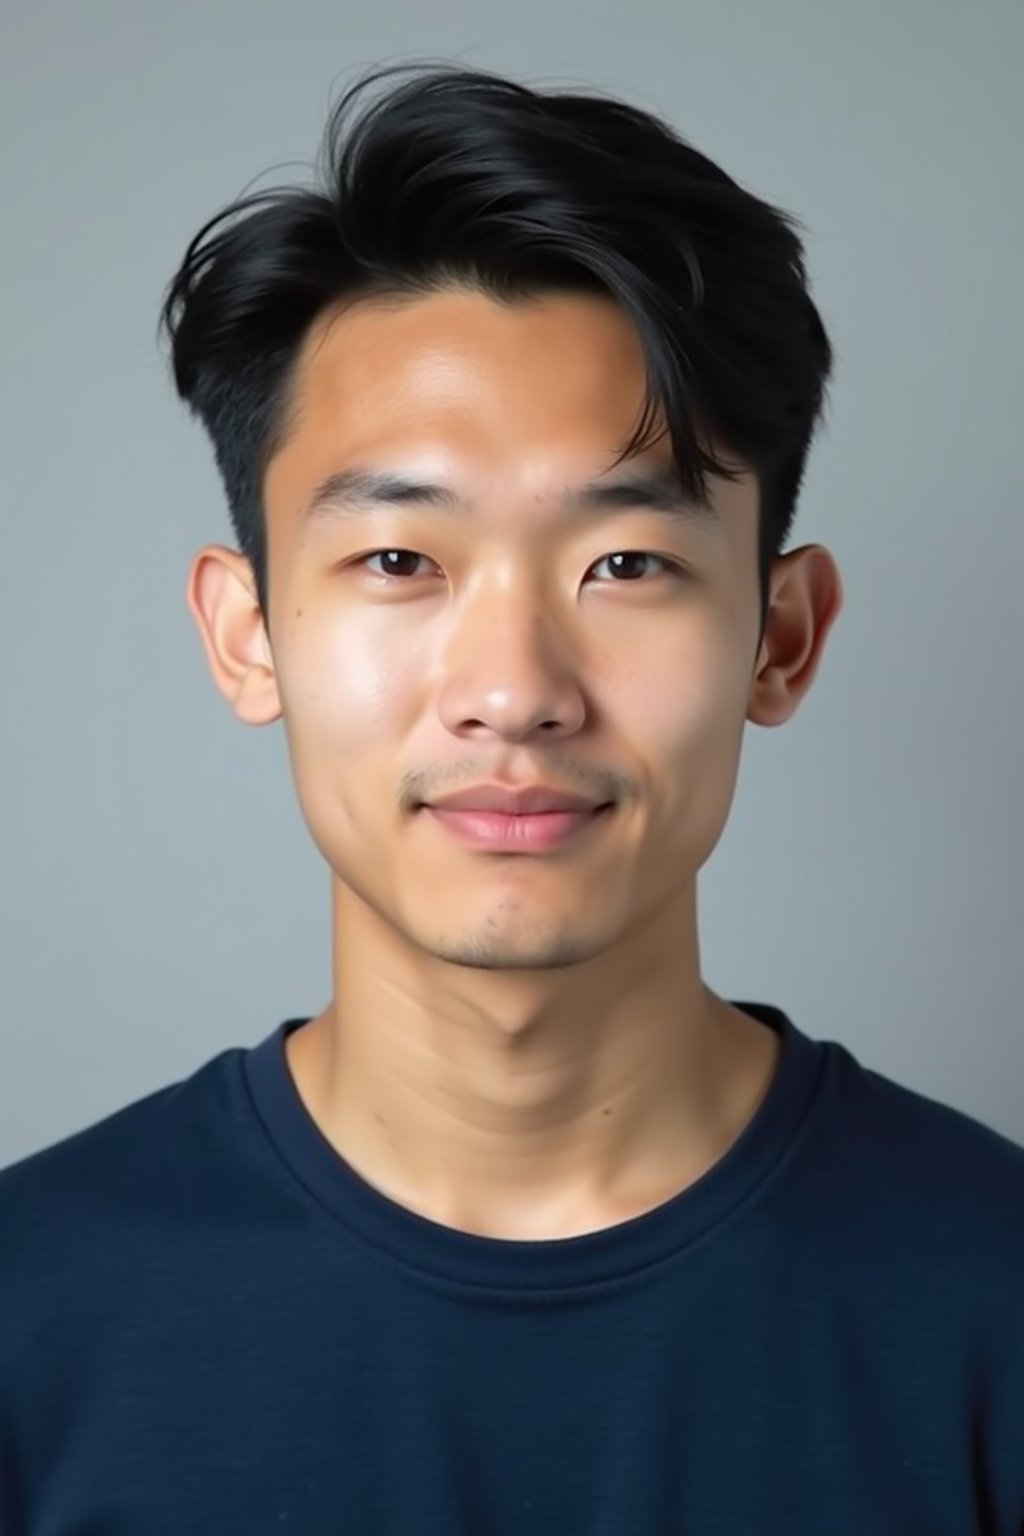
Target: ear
804,601
221,594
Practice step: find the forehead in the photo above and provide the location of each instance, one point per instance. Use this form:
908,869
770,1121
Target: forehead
523,400
474,376
408,332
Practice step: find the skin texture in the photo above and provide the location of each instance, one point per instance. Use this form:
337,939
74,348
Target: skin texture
518,1046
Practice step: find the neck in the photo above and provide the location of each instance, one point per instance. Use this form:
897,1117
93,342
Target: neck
532,1104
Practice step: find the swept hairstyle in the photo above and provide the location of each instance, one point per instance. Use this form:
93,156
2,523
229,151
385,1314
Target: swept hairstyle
460,177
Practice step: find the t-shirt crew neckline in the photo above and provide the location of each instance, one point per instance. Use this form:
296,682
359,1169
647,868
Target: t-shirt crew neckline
611,1253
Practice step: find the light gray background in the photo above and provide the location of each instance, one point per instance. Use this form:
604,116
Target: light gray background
162,899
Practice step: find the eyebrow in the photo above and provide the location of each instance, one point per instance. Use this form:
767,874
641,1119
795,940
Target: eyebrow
360,490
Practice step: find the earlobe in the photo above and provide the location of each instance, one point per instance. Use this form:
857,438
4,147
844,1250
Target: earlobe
221,596
804,605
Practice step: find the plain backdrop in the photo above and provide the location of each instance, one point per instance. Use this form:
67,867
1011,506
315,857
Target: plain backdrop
162,899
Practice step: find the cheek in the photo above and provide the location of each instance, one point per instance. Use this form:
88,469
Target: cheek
683,698
348,696
686,716
345,682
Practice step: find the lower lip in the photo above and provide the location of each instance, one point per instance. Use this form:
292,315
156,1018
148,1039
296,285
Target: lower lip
516,834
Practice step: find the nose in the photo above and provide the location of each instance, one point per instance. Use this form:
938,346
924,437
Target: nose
510,670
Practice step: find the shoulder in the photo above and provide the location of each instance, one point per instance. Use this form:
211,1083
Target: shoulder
933,1171
915,1123
58,1203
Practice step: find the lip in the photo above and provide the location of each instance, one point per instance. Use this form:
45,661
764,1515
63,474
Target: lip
504,833
531,800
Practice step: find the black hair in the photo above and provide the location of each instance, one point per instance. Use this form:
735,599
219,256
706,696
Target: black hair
461,177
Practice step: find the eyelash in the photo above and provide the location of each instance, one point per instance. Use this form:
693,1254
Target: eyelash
671,568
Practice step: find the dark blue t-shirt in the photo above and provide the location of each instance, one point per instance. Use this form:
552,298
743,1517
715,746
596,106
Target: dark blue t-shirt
210,1324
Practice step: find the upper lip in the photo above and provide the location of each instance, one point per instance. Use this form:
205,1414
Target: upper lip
514,802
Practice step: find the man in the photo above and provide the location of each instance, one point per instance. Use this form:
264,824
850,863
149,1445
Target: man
528,1230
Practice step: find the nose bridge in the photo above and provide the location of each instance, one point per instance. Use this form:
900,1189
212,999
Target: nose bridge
508,659
510,609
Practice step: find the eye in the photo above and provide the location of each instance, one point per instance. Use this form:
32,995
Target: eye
388,554
628,555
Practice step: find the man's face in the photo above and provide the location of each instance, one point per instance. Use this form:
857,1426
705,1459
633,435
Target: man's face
505,643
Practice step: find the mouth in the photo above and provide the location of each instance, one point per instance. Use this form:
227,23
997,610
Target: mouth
535,832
